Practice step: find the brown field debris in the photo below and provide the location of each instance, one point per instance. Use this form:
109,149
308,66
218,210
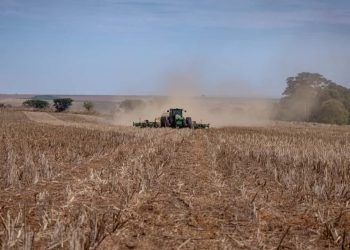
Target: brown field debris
92,186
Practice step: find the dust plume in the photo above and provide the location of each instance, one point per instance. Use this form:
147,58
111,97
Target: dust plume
183,90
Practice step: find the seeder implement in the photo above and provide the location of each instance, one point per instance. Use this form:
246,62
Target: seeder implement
146,124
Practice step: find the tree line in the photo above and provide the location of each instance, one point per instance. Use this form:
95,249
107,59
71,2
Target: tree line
311,97
60,104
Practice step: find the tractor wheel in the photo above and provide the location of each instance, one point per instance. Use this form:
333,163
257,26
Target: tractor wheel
163,122
189,122
170,122
167,122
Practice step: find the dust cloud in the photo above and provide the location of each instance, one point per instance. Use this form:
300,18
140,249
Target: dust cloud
183,90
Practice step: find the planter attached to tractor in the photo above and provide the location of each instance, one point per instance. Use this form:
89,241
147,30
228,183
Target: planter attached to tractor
173,119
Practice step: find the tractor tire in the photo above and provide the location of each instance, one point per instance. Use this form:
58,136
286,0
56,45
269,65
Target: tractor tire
188,122
167,122
171,122
163,122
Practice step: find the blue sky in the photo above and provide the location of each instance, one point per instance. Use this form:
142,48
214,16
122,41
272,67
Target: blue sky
232,47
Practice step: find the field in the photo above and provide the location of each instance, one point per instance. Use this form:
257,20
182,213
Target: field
122,110
72,182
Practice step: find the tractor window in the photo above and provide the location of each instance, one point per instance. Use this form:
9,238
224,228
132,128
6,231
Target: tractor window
176,112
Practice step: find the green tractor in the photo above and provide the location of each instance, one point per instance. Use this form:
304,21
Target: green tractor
173,119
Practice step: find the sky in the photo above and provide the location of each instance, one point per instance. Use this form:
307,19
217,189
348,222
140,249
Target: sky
230,47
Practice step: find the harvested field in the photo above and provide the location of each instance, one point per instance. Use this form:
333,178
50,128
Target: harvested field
71,184
71,120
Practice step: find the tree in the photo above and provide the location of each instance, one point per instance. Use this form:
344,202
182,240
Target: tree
311,83
300,96
38,104
334,112
335,91
307,93
62,104
88,105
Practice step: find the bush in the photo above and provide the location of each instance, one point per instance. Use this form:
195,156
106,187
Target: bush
88,105
38,104
130,105
62,104
334,112
2,105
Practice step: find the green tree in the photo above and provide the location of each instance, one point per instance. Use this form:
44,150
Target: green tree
62,104
305,99
335,91
334,112
311,83
88,105
300,96
38,104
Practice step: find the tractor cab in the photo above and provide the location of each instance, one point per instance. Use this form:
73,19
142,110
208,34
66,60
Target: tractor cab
175,118
176,112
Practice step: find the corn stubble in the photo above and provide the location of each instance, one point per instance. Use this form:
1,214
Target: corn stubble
72,187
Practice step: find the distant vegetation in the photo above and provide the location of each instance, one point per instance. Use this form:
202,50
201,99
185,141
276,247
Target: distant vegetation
130,105
62,104
312,97
89,106
38,104
45,97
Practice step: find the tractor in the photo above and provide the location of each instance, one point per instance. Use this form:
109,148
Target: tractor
174,119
